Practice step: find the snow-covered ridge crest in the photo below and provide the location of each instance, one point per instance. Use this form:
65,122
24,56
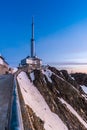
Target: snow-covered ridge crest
35,100
73,112
48,73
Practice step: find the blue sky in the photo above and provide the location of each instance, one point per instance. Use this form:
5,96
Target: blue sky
60,30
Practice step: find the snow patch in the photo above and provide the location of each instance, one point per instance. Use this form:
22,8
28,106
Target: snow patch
71,77
32,76
44,80
48,74
61,73
35,100
73,112
14,70
84,88
57,91
85,96
1,62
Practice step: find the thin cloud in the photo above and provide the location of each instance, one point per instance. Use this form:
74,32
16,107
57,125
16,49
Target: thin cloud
65,63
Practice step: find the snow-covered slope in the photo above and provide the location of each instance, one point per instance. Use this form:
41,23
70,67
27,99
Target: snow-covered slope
35,100
54,100
74,112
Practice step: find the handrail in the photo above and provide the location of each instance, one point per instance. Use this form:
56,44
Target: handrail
16,117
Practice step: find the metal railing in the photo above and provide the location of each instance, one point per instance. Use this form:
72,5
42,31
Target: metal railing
15,115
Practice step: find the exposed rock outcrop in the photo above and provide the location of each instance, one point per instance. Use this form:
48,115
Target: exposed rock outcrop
81,78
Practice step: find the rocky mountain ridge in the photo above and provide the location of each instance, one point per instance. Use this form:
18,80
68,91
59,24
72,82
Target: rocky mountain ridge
63,95
81,78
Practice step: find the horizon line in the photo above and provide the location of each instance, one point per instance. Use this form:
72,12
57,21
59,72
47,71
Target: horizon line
66,63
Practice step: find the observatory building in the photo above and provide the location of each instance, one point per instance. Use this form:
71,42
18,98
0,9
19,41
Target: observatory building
32,61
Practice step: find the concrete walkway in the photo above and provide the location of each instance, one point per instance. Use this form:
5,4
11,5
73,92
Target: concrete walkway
6,84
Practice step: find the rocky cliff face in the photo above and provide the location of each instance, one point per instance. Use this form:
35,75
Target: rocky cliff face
63,95
81,78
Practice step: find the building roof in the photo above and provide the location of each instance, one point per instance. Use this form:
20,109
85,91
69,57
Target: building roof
3,59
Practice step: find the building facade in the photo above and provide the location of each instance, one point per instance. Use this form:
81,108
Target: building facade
32,63
4,67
